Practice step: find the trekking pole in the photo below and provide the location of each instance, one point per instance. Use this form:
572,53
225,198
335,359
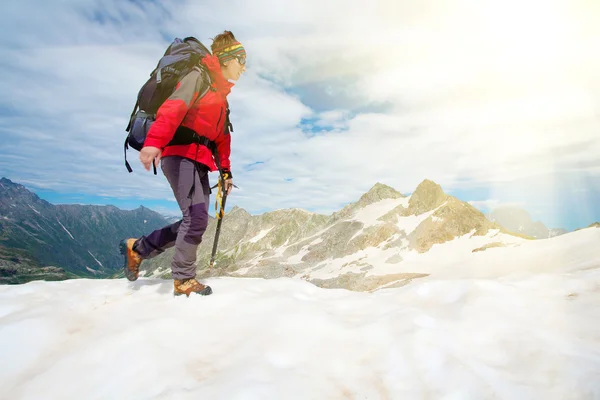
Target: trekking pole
221,211
220,215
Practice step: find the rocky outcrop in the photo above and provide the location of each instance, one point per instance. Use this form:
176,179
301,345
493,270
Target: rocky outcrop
428,196
377,193
363,283
452,218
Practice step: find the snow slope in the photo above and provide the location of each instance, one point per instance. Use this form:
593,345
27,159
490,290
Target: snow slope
528,335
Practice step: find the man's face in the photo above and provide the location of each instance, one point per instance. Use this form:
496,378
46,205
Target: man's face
234,68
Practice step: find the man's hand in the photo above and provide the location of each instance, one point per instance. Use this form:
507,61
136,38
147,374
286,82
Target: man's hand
147,154
228,185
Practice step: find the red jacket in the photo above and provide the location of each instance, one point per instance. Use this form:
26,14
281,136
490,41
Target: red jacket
207,117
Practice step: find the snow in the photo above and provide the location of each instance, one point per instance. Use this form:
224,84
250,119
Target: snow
534,337
411,222
412,261
478,328
369,215
297,258
99,263
316,242
564,253
36,211
456,258
260,235
352,263
66,230
39,226
279,251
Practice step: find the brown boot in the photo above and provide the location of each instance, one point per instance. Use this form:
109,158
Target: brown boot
132,260
188,286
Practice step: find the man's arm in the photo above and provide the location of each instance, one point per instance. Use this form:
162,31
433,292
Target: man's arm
171,113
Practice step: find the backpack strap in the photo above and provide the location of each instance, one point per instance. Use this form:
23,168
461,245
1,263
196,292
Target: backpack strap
204,84
125,147
137,103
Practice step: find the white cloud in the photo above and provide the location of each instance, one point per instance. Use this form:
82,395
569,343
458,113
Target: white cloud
475,93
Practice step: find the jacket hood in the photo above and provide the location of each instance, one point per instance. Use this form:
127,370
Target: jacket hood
218,80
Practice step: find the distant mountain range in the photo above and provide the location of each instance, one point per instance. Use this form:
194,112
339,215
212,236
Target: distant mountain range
372,243
369,244
519,220
41,240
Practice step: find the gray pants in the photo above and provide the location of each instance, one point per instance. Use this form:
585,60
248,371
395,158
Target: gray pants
192,191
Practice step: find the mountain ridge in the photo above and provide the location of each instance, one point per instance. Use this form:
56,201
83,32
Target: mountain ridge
518,220
80,240
333,250
381,221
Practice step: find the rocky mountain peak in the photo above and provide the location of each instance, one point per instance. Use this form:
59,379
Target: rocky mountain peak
377,193
13,193
6,185
238,212
426,197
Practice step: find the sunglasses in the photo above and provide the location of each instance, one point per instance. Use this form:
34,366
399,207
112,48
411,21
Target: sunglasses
241,59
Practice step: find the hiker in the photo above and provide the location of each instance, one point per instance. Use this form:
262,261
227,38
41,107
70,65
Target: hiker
186,166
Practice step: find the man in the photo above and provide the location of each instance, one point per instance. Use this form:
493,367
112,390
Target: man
186,166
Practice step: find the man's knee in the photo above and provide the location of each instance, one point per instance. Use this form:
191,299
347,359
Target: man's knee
198,223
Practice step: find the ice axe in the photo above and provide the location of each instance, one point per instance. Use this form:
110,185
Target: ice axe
220,213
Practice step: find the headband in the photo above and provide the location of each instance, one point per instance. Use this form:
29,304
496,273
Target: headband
230,52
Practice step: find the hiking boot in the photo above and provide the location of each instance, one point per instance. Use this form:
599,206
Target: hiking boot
132,260
188,286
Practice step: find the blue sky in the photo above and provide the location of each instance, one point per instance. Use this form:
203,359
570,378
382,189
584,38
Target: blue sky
332,103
